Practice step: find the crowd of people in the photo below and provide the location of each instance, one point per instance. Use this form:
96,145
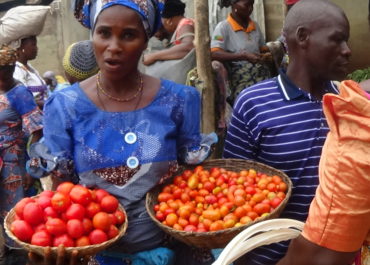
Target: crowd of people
112,126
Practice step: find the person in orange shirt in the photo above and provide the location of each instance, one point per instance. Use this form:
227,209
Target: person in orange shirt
339,218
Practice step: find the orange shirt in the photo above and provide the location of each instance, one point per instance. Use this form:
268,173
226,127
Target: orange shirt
339,217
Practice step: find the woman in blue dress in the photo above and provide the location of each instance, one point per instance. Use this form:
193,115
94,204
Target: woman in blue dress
19,119
126,131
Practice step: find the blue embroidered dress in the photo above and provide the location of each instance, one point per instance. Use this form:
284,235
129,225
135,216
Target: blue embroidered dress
19,118
126,153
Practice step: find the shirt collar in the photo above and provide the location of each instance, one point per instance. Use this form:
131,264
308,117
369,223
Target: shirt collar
291,91
237,27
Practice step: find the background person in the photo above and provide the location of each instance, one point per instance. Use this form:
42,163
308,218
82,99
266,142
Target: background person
125,131
174,22
79,61
237,42
25,73
280,121
20,118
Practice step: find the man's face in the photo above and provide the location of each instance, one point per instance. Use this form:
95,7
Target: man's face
328,50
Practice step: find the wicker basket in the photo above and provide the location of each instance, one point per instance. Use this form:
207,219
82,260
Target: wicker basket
82,251
218,239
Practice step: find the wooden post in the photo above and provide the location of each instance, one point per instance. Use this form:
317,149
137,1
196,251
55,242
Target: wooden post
204,68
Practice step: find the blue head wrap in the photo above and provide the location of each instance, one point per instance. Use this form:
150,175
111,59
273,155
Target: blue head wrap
149,11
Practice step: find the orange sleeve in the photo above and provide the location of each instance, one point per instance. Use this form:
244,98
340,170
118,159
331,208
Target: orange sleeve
339,216
215,49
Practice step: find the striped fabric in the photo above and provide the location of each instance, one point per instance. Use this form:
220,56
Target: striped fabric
276,123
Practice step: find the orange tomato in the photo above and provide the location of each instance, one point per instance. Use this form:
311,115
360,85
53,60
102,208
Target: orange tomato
171,219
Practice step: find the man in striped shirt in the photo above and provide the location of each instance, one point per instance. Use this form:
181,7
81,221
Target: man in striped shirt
280,122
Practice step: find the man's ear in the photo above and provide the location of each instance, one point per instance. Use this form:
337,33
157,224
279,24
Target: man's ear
302,36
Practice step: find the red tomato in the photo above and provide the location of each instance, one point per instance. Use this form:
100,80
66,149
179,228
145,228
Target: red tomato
113,232
39,227
49,212
186,174
190,228
88,225
97,236
65,187
22,230
64,240
275,202
75,228
82,241
41,238
20,206
44,201
109,204
102,221
60,202
92,208
113,218
81,195
33,213
261,208
160,216
164,196
100,194
56,226
47,193
120,217
75,211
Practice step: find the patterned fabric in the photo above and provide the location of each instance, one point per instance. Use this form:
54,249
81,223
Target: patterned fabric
8,56
19,117
148,10
167,130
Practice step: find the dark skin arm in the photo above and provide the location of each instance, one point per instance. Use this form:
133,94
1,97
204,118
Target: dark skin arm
62,259
175,52
303,252
224,56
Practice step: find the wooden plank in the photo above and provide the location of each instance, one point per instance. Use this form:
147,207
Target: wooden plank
204,68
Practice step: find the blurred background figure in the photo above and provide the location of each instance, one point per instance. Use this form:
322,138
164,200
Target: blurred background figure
19,29
54,82
238,44
79,62
182,30
20,119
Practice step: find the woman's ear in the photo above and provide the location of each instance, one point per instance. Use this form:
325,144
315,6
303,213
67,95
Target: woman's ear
302,36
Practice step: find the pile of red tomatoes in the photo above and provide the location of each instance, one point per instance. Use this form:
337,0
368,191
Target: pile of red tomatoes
202,200
73,215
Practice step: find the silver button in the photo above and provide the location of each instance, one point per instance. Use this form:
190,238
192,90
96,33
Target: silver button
132,162
130,138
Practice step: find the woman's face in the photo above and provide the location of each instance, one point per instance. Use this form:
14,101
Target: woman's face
119,39
29,48
243,8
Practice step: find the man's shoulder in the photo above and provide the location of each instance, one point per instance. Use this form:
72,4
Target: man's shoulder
260,88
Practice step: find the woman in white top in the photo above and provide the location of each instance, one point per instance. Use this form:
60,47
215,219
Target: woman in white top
28,75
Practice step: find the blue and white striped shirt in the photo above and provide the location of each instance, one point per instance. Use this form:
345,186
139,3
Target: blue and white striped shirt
276,123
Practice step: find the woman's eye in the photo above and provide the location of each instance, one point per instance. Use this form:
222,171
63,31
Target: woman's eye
128,35
104,33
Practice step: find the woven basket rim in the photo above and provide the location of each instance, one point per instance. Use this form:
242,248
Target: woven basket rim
90,248
211,234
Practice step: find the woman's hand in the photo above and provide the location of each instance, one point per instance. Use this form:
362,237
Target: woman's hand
252,57
62,259
28,182
149,59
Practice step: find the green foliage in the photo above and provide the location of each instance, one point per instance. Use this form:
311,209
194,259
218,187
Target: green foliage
360,75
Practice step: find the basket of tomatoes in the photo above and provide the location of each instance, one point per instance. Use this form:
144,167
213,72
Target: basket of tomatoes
73,216
207,205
